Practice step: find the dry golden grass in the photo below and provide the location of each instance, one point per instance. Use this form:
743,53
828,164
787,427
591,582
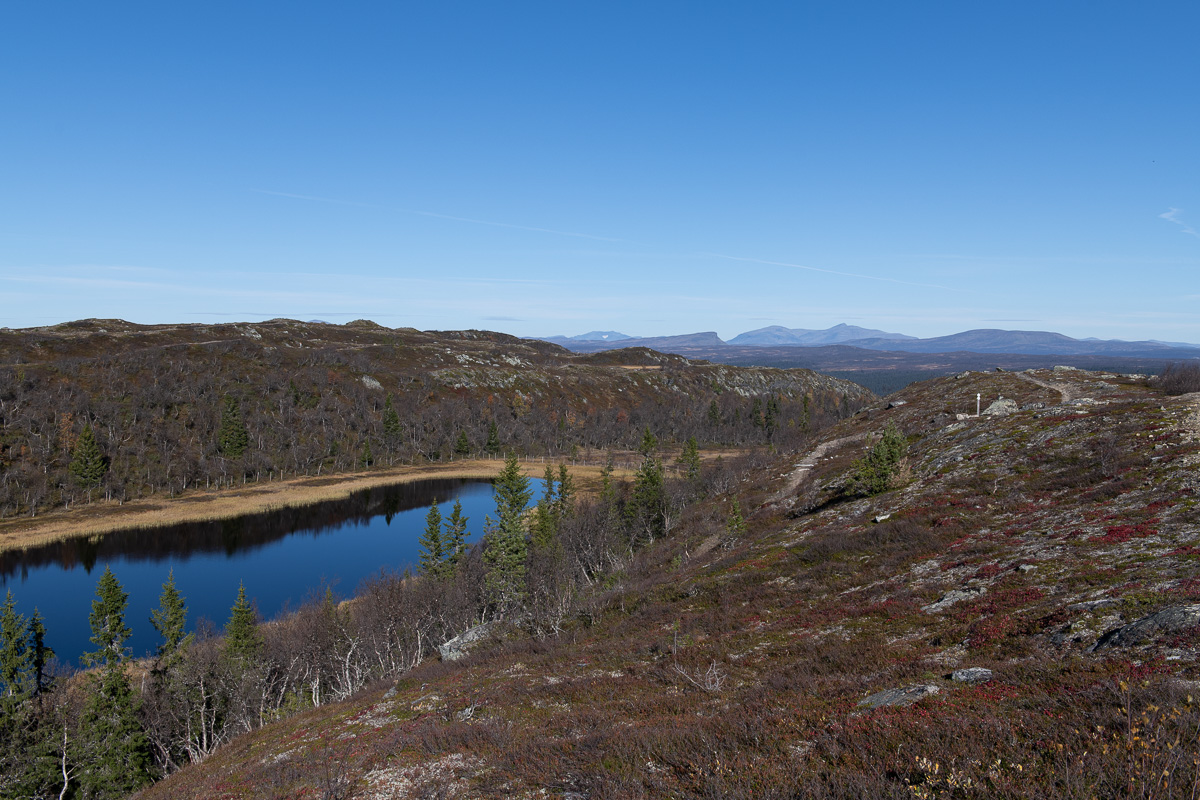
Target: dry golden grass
100,518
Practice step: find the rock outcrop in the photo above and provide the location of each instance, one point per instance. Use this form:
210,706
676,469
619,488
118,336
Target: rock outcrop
1169,620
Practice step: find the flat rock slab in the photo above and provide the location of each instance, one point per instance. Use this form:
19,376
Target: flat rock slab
1092,605
899,697
1169,620
954,596
971,675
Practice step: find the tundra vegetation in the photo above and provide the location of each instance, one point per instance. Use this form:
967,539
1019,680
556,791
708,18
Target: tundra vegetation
1011,613
1017,617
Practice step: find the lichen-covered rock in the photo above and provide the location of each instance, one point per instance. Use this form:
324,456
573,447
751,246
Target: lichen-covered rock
954,596
899,697
1169,620
1001,408
458,647
971,675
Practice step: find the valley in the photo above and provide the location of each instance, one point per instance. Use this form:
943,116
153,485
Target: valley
762,583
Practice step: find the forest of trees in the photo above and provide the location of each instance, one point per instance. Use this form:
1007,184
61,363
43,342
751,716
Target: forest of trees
165,420
86,415
105,732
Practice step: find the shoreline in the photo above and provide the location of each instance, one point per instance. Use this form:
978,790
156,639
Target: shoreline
100,518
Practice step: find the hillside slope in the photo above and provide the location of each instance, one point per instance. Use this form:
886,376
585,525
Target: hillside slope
314,398
1016,616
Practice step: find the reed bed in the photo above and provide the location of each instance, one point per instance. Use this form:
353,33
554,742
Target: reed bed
100,518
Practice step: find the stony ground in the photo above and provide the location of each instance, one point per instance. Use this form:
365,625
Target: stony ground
1015,618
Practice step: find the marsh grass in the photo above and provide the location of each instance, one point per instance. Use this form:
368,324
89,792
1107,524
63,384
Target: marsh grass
212,506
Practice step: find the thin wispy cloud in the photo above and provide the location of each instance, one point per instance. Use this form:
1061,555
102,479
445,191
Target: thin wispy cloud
576,234
436,215
73,281
834,272
1172,216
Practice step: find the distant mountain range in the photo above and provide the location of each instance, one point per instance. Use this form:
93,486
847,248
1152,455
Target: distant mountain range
779,336
590,336
975,341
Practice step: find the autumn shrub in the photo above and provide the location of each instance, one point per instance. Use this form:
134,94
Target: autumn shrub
1180,378
876,472
890,543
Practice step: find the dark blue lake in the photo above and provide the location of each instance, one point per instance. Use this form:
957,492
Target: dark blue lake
283,557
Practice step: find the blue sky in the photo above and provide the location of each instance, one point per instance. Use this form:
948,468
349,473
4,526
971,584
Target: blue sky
654,168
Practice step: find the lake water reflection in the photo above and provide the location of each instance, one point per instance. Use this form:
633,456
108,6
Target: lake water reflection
281,556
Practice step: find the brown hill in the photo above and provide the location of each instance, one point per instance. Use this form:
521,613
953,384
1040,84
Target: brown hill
315,399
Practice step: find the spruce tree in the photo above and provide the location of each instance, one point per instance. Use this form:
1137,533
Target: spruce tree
115,752
736,524
648,444
107,620
608,491
232,437
454,542
16,656
492,445
367,458
647,502
714,414
505,547
170,620
771,416
689,459
433,551
545,523
873,473
565,499
462,446
391,422
41,653
243,642
88,465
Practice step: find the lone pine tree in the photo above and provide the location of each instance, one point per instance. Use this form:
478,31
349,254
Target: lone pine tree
433,551
170,620
505,549
113,749
232,437
243,642
88,465
647,502
873,472
454,539
689,459
16,656
391,422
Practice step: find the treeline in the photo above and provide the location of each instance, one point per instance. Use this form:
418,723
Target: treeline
105,733
165,420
